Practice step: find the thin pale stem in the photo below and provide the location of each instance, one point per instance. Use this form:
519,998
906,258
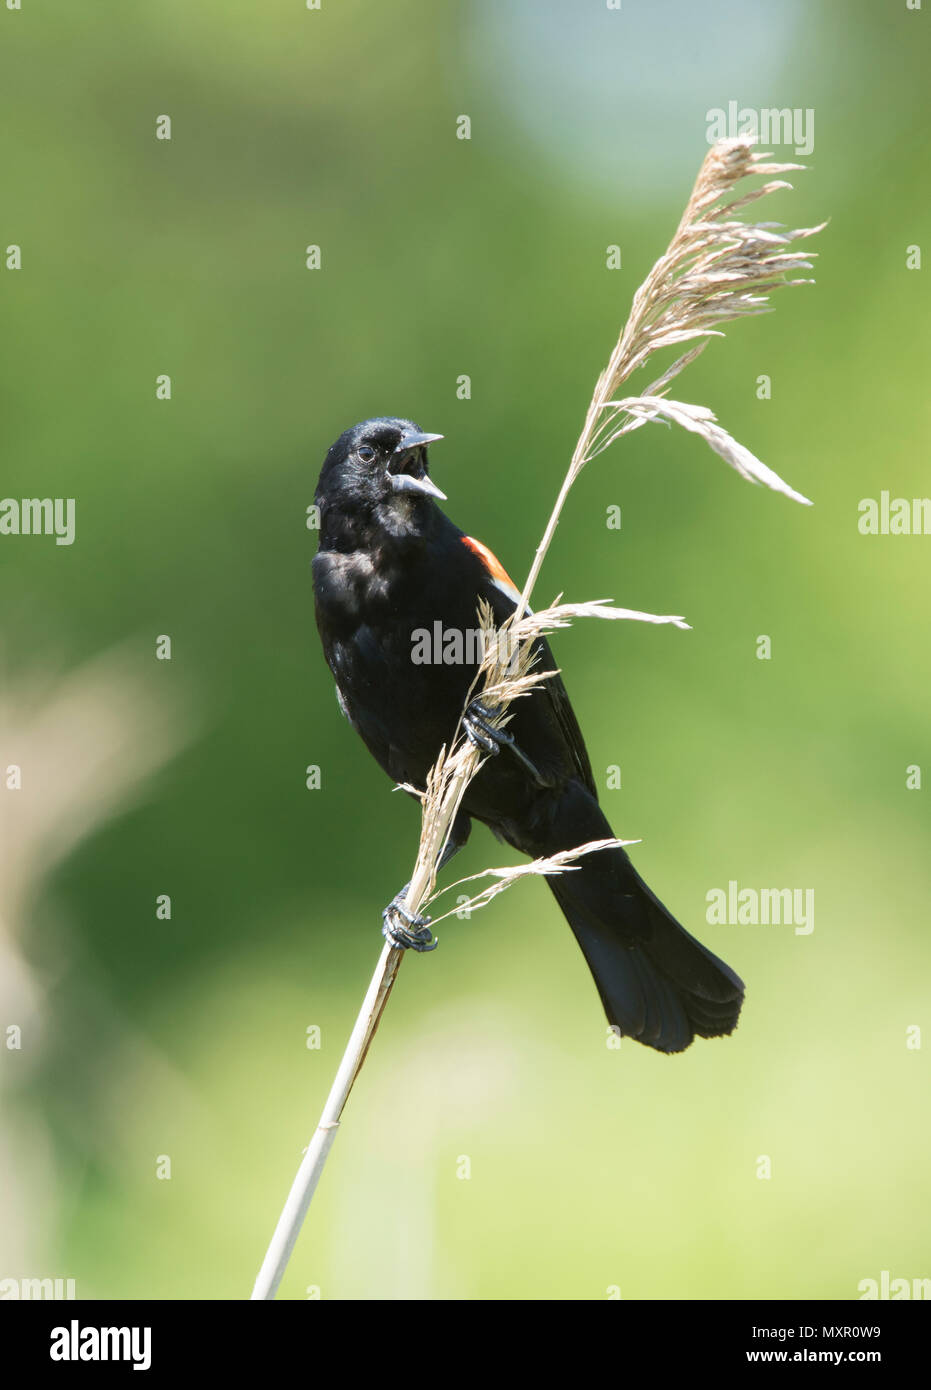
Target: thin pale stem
680,299
315,1156
579,459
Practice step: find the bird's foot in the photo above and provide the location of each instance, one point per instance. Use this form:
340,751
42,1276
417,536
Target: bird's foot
406,931
482,733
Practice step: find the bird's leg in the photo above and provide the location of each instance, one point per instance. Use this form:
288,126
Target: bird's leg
481,732
409,931
406,930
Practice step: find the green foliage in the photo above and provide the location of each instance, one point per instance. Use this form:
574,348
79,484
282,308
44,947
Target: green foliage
589,1167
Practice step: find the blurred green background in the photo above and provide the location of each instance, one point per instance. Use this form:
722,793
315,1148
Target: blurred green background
187,1038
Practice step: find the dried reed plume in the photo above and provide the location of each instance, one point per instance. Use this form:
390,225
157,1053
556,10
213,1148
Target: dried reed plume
716,268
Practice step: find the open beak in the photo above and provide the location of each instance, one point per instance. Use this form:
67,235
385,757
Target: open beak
410,472
414,439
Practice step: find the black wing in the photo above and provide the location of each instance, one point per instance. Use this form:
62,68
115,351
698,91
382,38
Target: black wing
550,700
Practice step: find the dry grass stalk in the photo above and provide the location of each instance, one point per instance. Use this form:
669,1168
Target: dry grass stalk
717,268
561,863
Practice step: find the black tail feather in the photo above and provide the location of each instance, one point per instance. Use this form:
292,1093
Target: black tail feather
656,982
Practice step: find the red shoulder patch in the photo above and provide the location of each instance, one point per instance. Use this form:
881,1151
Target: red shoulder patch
494,567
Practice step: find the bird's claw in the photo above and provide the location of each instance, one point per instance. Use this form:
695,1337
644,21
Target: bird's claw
480,731
407,931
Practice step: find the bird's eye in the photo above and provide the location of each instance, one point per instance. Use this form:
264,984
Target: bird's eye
366,453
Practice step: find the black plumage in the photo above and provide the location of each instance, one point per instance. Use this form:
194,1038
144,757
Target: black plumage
390,564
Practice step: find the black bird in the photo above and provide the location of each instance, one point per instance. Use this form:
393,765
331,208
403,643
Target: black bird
391,565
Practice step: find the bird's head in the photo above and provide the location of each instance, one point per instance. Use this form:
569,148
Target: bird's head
378,468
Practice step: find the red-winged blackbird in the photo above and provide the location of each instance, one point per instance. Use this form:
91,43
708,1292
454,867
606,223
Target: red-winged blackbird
391,566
